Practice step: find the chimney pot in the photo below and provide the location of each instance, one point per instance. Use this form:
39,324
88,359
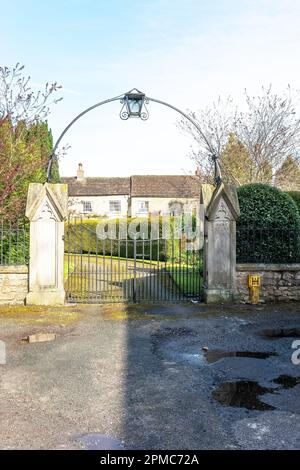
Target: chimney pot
80,172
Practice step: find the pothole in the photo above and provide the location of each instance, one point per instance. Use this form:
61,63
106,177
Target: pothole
246,394
215,355
287,381
169,333
243,394
281,333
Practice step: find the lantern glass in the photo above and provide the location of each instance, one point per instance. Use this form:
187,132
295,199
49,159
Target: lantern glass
134,100
135,106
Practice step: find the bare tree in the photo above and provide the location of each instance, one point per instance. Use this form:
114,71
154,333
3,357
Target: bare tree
17,99
216,123
270,130
266,133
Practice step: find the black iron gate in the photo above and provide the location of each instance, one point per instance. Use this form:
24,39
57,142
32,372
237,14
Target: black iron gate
133,270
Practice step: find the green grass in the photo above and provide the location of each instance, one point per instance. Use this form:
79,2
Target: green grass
92,258
68,267
189,280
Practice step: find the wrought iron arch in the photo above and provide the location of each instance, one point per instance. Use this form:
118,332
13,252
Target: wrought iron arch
134,105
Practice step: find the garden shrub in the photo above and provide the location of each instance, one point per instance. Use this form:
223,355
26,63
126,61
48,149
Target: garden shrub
268,229
295,195
14,243
81,237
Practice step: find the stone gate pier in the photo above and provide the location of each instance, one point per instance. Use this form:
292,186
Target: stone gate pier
46,209
221,210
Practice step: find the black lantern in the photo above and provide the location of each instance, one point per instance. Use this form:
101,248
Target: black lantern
134,105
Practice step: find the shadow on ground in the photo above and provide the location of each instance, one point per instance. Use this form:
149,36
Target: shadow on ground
170,376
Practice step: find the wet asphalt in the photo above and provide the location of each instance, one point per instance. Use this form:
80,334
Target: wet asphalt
155,377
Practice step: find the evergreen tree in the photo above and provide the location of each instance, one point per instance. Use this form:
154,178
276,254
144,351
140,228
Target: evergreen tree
287,178
25,139
24,153
238,168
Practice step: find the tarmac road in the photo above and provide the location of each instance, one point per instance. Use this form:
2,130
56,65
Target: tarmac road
138,376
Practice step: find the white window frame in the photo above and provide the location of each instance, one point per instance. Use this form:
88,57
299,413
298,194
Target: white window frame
113,202
84,208
140,210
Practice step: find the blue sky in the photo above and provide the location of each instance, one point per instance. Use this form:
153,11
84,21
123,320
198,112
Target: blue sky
185,52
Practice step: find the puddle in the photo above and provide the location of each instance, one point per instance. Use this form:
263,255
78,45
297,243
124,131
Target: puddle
287,381
215,355
182,346
281,333
193,359
243,394
246,394
96,441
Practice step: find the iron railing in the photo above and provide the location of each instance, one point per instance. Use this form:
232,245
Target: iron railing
257,243
14,242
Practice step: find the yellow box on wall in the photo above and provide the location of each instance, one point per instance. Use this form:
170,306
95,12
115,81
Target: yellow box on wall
253,280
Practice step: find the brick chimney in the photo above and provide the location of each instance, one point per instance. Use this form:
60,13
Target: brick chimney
80,172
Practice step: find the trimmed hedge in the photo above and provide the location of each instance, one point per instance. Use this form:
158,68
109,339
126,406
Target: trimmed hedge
268,229
81,237
268,205
295,195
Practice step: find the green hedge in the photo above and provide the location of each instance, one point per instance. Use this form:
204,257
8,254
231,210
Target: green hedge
268,229
81,237
295,195
268,205
14,243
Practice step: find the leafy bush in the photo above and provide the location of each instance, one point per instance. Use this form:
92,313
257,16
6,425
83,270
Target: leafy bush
81,237
14,243
295,195
268,229
264,203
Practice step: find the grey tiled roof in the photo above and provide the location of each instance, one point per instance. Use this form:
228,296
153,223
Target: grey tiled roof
171,186
97,186
165,186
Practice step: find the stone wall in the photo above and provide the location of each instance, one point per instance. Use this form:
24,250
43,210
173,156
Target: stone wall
279,282
13,284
